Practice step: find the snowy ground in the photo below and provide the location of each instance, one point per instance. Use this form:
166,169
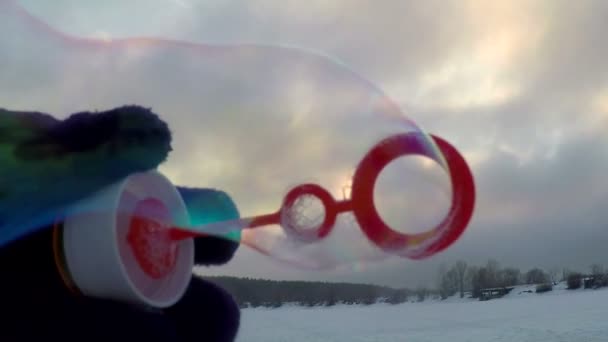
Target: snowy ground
560,315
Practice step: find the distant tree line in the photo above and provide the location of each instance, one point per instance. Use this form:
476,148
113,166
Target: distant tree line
598,277
461,278
271,293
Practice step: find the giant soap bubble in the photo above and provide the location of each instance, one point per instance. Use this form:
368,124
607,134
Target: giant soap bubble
326,169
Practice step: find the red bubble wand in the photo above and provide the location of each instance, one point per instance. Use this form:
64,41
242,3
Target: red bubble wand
361,204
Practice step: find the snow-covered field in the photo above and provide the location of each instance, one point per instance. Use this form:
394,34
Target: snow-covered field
560,315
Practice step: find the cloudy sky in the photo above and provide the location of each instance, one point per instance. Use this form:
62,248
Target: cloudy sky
519,87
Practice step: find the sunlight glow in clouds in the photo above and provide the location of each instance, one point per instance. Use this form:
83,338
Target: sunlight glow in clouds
482,72
600,103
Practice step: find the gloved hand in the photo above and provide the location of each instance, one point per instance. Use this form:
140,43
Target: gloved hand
46,164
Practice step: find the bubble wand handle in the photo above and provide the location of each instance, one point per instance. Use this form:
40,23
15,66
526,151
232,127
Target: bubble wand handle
223,227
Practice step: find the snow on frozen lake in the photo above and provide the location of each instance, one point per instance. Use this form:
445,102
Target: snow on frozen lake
561,315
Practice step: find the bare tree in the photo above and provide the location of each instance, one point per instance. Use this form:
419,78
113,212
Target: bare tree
441,272
470,277
565,273
511,276
493,273
597,270
461,270
599,277
447,281
536,276
421,293
554,274
479,281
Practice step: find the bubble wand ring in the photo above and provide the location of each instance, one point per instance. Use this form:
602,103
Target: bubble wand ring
377,231
321,230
